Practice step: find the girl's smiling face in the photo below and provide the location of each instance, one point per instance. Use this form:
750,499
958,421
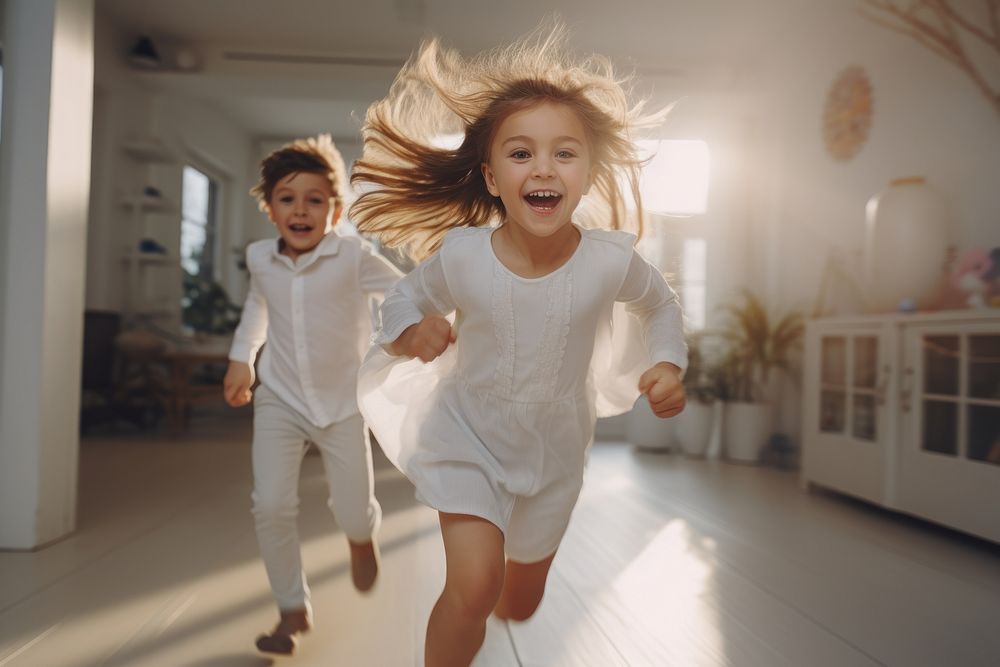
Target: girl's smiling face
540,167
301,207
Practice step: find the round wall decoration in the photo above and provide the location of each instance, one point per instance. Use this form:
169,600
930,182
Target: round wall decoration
848,113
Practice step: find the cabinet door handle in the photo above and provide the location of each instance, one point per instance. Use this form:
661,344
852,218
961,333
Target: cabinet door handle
906,389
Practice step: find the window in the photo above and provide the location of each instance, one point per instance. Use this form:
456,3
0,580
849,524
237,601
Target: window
675,181
692,283
198,224
674,185
205,306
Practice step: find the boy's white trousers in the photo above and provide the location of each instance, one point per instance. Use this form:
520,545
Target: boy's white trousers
280,439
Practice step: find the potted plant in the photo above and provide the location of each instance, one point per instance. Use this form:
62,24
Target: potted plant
757,346
647,431
206,308
693,427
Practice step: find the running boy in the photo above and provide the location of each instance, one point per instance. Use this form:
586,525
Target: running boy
308,301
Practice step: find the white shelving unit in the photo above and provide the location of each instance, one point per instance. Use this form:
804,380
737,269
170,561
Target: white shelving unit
150,258
147,204
904,411
149,151
143,212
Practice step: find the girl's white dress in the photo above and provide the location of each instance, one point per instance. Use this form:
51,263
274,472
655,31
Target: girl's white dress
507,413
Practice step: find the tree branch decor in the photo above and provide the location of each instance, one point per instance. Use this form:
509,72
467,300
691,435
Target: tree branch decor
947,31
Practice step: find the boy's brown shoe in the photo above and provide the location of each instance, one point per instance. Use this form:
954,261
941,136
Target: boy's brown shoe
364,565
283,639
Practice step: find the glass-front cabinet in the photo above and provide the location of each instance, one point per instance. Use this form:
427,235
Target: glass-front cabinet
959,395
982,439
850,395
949,453
847,373
904,410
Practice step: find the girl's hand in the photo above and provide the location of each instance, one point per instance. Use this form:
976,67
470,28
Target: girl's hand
663,387
427,340
236,385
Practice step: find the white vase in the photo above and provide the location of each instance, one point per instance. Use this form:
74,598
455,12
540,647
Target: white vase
907,238
746,428
647,431
693,427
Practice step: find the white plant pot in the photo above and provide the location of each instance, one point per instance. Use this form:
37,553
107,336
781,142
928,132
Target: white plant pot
746,429
647,431
693,428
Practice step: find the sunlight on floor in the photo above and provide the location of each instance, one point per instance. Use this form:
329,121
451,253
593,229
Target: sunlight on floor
667,561
668,589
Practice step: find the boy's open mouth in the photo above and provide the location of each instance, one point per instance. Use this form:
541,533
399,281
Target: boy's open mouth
544,200
300,228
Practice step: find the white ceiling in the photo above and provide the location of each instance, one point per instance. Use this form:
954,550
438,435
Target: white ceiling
676,46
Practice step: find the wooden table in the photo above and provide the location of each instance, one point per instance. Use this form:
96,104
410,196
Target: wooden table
182,361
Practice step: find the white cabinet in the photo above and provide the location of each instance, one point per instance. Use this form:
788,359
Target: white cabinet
904,411
847,422
148,261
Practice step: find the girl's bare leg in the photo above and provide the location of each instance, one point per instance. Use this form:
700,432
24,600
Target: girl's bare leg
524,585
475,570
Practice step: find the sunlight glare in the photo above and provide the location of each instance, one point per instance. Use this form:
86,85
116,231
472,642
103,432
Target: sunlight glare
669,587
675,181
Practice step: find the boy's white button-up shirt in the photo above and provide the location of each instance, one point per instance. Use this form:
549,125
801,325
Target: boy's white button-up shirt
315,316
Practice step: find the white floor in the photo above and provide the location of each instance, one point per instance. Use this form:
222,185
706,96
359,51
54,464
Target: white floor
668,561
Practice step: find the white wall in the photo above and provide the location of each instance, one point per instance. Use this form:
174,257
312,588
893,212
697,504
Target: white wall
44,186
131,107
122,109
929,120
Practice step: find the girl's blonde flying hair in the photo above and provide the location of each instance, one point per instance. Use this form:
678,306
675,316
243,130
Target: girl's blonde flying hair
413,189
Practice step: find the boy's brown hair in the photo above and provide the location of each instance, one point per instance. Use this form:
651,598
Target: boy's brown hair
315,155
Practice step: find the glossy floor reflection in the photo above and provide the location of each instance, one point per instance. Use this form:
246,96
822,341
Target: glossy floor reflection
668,561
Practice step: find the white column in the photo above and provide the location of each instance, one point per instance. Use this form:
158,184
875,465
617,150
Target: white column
44,189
